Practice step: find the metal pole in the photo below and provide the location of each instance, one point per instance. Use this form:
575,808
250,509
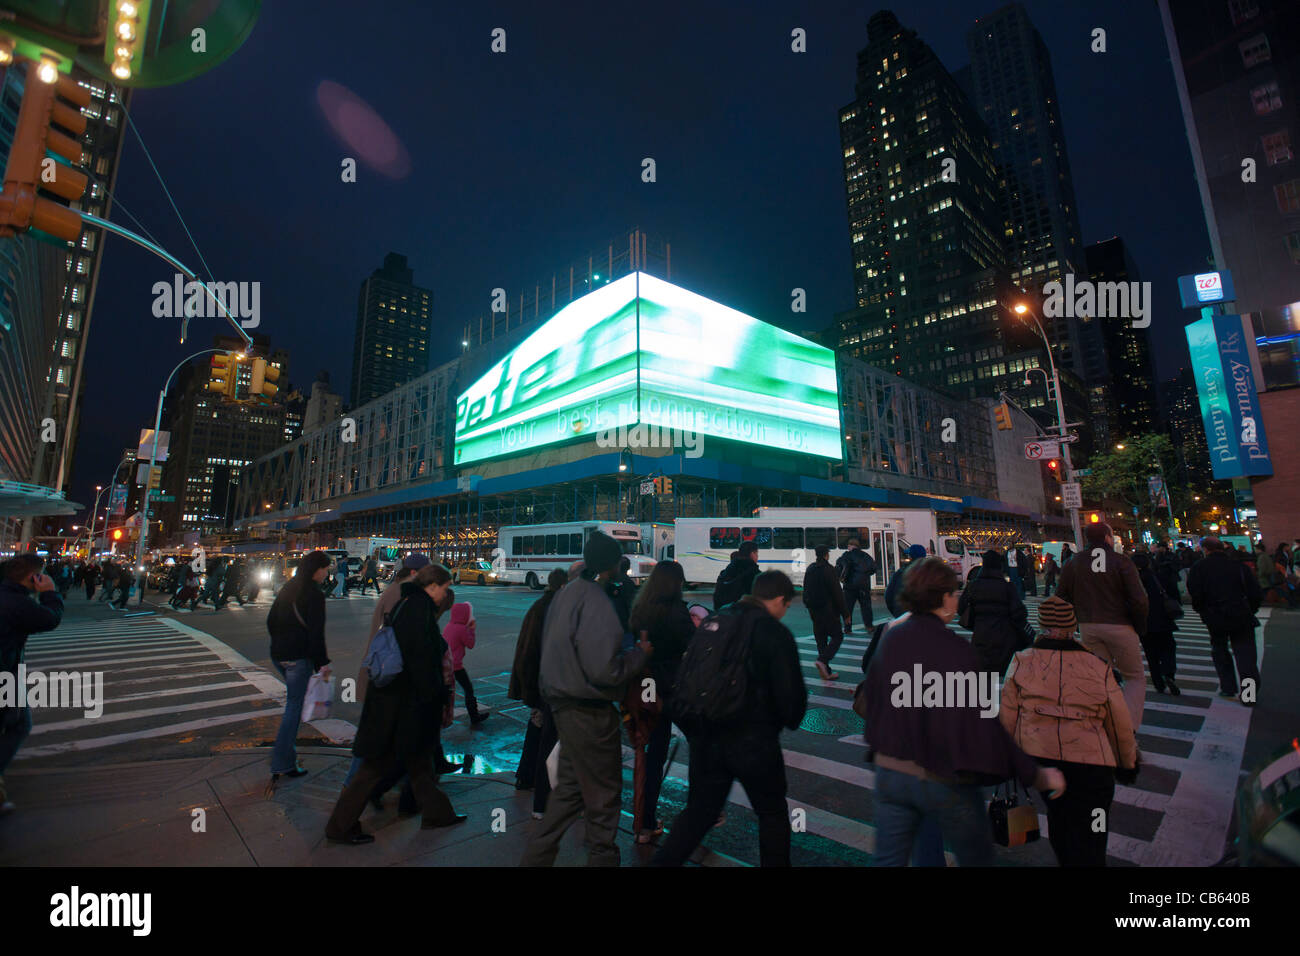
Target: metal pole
148,482
1060,426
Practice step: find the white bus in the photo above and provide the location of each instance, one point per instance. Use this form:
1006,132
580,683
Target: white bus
915,526
785,542
527,553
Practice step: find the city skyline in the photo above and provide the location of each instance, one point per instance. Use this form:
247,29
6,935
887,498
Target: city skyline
746,253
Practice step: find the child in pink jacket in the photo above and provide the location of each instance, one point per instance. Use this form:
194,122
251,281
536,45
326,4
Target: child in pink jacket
459,635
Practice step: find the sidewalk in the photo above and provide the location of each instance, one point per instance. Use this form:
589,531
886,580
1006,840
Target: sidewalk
143,814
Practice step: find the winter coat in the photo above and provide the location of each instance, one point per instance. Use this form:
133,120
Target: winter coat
1061,702
21,616
1264,568
404,717
735,581
998,619
856,568
1158,619
583,660
950,742
297,625
525,673
458,634
1167,573
822,594
894,589
1111,596
1224,593
669,628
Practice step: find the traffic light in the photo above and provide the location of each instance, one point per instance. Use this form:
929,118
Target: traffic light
264,378
1002,415
1093,517
117,534
659,485
223,375
1054,467
29,171
668,486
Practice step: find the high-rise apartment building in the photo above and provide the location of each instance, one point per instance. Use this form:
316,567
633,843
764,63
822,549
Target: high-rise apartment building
1131,408
933,295
47,290
394,318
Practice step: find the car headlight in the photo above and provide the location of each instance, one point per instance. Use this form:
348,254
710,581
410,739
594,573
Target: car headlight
265,575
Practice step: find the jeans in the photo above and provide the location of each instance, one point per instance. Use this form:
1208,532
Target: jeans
717,761
589,783
296,674
855,596
12,738
927,850
904,801
656,752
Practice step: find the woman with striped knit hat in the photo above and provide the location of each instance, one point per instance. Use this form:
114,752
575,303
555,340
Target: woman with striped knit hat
1063,707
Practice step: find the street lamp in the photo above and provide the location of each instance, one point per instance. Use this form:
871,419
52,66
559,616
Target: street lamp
1022,309
153,461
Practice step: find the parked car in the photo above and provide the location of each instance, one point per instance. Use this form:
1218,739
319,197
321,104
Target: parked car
475,571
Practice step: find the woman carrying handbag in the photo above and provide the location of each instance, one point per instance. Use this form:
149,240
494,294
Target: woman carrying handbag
1062,706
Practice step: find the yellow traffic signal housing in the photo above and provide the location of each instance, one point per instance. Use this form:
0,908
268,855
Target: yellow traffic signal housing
668,486
223,375
29,171
263,382
1002,415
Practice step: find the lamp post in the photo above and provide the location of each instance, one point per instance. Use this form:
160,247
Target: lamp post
153,459
1023,309
94,512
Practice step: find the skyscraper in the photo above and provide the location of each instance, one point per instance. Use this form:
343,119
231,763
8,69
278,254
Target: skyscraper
1131,408
1013,89
392,338
932,292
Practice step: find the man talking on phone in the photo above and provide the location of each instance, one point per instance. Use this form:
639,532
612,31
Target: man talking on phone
20,616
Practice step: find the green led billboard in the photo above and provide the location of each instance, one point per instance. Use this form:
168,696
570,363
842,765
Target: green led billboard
642,350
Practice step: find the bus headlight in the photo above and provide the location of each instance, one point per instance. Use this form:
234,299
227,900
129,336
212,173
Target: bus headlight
265,575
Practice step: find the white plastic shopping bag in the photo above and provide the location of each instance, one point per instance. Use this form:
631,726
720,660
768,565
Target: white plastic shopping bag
553,765
320,696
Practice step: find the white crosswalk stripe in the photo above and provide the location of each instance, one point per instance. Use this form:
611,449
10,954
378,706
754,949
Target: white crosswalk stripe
160,678
1177,813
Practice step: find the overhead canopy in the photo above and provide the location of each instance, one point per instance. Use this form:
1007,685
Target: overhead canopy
18,499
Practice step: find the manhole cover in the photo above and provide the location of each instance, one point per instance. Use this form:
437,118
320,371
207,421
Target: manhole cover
832,721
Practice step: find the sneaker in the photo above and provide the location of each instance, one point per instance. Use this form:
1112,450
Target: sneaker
1173,688
478,718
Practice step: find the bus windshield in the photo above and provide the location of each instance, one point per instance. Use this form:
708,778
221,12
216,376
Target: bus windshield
631,547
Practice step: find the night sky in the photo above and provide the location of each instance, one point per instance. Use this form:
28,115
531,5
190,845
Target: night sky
523,162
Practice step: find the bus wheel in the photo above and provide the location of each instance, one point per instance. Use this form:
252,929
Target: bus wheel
531,581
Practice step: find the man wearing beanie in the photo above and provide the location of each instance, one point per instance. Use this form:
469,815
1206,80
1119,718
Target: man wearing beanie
1111,605
584,671
1064,708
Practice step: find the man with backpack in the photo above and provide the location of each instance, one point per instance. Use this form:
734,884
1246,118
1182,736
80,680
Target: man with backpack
738,577
586,666
737,686
824,599
856,569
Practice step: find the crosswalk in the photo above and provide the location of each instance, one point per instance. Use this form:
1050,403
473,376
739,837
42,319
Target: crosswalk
1176,814
162,681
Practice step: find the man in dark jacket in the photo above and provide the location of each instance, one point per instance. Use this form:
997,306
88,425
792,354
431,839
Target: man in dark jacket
824,599
856,568
1166,570
1226,596
1111,606
738,577
21,617
748,749
998,616
585,670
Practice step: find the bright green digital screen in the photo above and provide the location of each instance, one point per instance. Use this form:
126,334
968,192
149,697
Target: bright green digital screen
642,350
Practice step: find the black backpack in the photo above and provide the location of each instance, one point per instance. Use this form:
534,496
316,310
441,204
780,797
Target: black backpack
713,677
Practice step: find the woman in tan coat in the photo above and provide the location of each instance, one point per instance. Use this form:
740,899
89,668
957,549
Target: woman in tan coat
1063,707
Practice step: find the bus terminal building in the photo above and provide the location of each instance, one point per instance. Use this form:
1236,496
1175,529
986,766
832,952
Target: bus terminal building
642,401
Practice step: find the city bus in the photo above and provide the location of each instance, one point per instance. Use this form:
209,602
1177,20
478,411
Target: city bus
527,553
786,541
